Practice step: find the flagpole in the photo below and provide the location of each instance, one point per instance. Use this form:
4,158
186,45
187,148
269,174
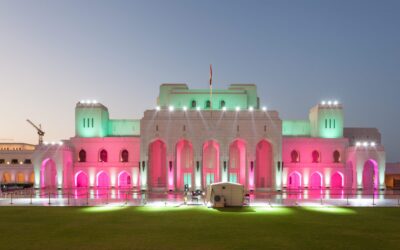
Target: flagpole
210,86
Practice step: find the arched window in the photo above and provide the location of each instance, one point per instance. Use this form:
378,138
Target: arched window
315,156
124,155
193,104
336,156
82,156
208,104
103,156
295,156
222,104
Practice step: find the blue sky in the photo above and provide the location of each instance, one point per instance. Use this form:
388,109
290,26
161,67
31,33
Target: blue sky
54,53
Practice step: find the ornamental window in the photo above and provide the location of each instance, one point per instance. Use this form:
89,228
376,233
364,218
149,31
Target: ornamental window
336,156
124,155
103,156
316,157
82,156
295,156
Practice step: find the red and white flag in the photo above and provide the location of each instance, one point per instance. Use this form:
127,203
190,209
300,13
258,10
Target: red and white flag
210,75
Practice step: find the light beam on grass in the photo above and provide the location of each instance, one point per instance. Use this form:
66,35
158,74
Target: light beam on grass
330,209
102,209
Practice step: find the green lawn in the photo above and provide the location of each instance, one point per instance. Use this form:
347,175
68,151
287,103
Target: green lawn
198,228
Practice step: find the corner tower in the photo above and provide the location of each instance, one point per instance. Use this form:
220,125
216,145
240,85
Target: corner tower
91,119
326,120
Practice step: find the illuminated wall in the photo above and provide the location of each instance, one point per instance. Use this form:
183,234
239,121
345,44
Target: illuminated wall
368,163
92,120
237,95
115,165
326,121
171,148
296,128
313,169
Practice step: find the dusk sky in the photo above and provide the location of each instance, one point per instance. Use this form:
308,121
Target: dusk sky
55,53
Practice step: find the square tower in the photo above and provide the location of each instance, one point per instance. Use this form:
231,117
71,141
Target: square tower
326,120
91,119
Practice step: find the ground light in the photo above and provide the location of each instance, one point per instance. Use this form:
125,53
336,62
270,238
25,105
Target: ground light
273,210
106,208
329,209
160,207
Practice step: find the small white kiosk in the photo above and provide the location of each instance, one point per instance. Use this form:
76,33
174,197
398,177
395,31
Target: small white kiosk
223,194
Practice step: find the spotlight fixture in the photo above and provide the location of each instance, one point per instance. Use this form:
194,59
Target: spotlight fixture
171,108
237,108
184,108
158,108
330,102
251,108
264,108
198,108
224,108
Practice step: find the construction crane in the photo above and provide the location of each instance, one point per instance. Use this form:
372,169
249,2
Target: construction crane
39,131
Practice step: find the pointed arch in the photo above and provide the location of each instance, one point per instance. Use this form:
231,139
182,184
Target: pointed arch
294,180
337,180
82,155
48,174
295,156
124,155
157,152
185,164
210,162
237,161
336,156
264,162
102,179
316,156
370,175
20,177
6,178
81,180
124,179
315,180
103,155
